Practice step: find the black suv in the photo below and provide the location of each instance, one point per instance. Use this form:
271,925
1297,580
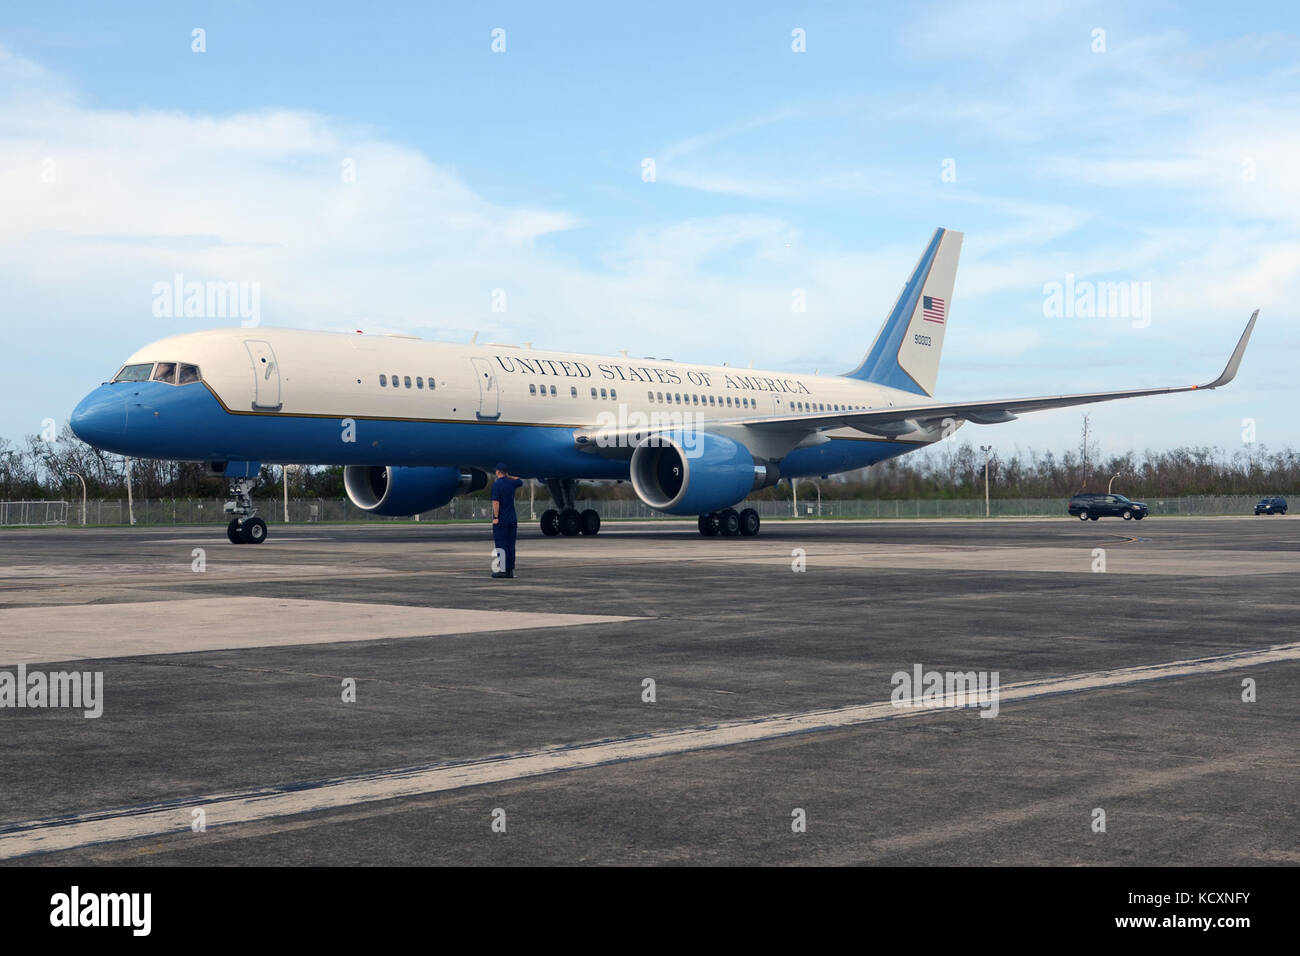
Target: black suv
1087,506
1271,506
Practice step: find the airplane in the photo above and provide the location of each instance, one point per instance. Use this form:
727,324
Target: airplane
415,423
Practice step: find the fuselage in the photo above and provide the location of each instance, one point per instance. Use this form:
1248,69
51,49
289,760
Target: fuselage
318,398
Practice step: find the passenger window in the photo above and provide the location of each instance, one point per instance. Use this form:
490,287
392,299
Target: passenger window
660,397
552,391
573,391
532,389
613,395
188,374
419,381
407,381
431,383
650,396
603,393
593,393
165,372
383,380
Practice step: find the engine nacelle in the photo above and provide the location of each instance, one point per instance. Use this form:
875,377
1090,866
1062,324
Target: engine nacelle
398,492
693,473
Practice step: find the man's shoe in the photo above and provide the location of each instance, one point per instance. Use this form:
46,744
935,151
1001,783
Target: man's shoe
510,574
500,574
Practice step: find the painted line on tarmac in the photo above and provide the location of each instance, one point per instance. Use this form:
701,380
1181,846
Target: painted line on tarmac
220,810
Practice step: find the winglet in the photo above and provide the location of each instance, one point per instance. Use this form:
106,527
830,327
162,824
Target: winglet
1230,372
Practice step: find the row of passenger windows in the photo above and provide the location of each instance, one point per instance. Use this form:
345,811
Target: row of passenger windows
676,398
400,381
821,407
608,394
679,398
172,373
611,394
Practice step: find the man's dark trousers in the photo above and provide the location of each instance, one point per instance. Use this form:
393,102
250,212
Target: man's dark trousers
503,536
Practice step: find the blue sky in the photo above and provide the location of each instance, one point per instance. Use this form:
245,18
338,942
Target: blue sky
1168,159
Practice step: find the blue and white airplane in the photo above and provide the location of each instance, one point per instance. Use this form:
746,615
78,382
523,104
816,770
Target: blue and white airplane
415,423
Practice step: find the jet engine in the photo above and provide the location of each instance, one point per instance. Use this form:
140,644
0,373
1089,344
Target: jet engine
693,473
401,491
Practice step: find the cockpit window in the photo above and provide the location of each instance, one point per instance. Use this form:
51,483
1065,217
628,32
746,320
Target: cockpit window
188,374
165,372
134,373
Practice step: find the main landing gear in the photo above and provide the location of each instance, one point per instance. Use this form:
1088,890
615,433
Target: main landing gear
565,519
729,523
244,527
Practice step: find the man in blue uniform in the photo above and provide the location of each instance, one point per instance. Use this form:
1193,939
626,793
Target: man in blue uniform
505,525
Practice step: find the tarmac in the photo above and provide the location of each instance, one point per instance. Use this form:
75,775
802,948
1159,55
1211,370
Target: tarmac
368,694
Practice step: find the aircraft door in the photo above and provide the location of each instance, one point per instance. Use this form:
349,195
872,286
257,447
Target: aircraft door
266,377
489,392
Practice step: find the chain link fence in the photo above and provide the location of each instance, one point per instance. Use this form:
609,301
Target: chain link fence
27,513
190,511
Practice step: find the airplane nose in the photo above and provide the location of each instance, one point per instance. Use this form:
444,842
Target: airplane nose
100,418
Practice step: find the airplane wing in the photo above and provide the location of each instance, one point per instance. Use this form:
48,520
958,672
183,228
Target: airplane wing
901,420
904,419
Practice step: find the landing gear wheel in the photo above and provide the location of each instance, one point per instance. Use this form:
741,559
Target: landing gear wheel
589,521
1083,515
550,522
254,531
709,524
234,532
728,523
749,522
570,522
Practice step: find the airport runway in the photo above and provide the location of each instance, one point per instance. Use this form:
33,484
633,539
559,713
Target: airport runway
479,700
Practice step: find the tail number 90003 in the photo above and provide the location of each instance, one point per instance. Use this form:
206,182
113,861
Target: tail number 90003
921,339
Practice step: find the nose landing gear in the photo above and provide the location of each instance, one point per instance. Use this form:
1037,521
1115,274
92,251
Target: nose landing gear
245,527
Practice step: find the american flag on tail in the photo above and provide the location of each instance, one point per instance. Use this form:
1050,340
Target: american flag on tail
932,309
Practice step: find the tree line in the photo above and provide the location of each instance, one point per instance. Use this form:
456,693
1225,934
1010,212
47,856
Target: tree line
39,469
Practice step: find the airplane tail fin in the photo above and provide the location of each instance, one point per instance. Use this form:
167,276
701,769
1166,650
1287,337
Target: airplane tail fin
906,352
